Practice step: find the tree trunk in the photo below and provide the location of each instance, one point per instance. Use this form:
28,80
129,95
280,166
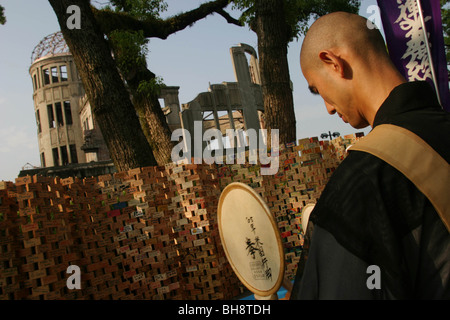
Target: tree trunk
110,101
152,118
155,129
273,38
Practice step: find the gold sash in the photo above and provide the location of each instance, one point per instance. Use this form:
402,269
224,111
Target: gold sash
413,157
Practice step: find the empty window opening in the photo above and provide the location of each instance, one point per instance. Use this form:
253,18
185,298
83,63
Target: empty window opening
46,73
208,116
73,154
51,116
224,121
38,82
43,160
165,110
38,121
59,115
208,120
86,124
238,118
55,78
243,137
64,155
55,157
63,73
68,112
35,82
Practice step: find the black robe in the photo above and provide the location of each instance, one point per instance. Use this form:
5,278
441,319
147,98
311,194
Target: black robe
371,215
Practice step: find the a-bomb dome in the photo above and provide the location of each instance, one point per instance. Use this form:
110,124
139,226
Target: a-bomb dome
51,45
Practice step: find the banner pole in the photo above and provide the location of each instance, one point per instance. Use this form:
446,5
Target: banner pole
430,58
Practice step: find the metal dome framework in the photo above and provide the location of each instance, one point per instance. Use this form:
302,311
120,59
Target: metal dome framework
49,46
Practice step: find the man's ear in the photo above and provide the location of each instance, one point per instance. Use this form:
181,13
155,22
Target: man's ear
332,61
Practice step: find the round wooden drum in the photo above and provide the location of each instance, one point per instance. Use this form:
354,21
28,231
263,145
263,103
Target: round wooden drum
251,239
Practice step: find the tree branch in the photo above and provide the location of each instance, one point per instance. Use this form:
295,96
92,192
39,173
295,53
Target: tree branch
159,28
229,18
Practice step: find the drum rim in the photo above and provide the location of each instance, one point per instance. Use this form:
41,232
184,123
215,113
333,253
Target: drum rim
307,206
278,283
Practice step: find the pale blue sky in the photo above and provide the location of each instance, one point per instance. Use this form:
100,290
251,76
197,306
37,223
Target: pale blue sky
191,59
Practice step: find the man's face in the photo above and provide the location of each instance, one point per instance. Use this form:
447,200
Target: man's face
337,95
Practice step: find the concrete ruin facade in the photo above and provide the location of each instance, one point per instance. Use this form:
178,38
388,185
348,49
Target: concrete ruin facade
57,90
66,128
230,105
68,134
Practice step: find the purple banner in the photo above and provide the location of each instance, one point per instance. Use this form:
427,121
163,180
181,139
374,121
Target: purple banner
406,42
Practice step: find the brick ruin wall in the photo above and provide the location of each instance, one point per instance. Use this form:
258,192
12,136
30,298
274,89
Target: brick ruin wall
148,233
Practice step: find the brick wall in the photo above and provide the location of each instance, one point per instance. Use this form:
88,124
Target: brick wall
148,233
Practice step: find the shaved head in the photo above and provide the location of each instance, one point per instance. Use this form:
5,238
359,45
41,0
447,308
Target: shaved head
341,30
344,59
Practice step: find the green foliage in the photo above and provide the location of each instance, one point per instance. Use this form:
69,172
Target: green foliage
148,88
307,9
130,49
140,9
247,8
299,12
2,15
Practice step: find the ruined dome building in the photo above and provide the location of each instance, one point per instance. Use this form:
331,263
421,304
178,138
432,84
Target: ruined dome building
70,142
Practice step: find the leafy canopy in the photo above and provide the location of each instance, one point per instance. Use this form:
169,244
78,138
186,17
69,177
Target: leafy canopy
2,15
298,12
140,9
130,49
